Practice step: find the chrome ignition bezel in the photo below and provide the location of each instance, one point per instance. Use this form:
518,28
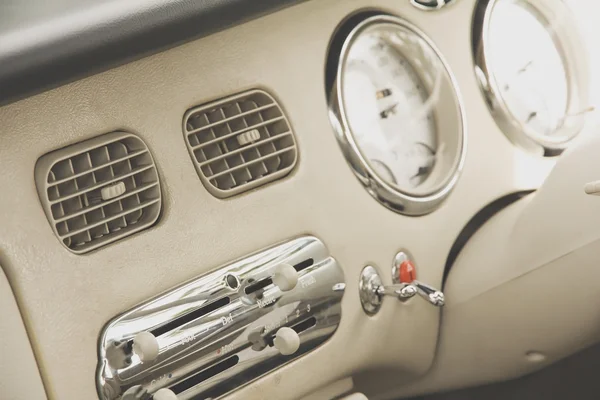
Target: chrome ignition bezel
391,197
568,42
368,284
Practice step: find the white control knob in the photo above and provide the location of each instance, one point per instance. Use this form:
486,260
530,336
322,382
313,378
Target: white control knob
355,396
286,341
285,277
164,394
145,346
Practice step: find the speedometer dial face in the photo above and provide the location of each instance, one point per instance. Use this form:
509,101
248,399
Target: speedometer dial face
391,93
386,108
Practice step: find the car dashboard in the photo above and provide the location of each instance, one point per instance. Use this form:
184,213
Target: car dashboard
293,199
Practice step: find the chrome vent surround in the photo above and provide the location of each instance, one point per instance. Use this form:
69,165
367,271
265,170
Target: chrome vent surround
240,142
99,190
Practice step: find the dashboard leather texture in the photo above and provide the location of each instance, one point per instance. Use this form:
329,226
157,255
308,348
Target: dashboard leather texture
43,44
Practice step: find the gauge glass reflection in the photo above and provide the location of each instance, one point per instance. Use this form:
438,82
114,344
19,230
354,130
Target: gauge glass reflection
527,66
386,107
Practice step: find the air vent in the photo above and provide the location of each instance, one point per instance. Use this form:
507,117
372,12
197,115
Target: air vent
98,191
240,142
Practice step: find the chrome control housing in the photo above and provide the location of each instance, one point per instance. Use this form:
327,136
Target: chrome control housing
216,332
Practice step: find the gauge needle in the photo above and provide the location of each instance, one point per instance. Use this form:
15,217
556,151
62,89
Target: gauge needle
519,72
525,67
581,112
421,172
576,114
531,116
426,169
428,147
390,110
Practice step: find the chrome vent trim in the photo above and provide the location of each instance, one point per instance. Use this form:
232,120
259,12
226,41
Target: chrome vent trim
240,142
99,190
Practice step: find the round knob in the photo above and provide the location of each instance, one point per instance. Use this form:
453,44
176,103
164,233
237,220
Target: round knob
285,277
286,341
356,396
164,394
145,346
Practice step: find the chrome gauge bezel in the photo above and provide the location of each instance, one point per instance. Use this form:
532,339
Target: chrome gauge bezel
431,5
392,197
568,42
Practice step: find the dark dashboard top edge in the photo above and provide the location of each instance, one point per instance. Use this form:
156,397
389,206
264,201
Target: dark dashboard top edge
44,44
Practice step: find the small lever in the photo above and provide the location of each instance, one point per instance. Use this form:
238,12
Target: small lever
401,290
429,293
404,272
258,339
407,290
372,290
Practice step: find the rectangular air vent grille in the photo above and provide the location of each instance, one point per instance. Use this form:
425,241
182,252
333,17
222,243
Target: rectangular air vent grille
100,190
240,142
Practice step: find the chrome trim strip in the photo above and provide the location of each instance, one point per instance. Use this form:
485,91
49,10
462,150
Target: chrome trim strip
191,345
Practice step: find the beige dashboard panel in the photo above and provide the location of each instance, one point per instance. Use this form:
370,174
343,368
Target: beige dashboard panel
19,375
66,298
527,282
549,310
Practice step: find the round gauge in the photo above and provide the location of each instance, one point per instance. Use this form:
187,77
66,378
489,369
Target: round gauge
391,93
530,66
386,109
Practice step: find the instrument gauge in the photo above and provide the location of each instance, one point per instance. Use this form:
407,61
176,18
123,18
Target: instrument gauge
532,70
391,94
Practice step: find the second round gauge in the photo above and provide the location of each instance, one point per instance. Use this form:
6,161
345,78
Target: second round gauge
532,67
393,93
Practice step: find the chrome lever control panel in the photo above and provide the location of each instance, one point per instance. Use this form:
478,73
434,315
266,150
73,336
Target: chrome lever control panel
224,329
371,291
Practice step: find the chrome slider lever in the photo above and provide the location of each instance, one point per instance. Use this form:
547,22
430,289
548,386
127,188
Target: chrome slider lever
400,290
372,290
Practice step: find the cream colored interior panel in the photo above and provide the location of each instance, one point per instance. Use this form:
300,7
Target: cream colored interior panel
526,282
572,378
557,219
66,298
19,375
331,391
549,310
